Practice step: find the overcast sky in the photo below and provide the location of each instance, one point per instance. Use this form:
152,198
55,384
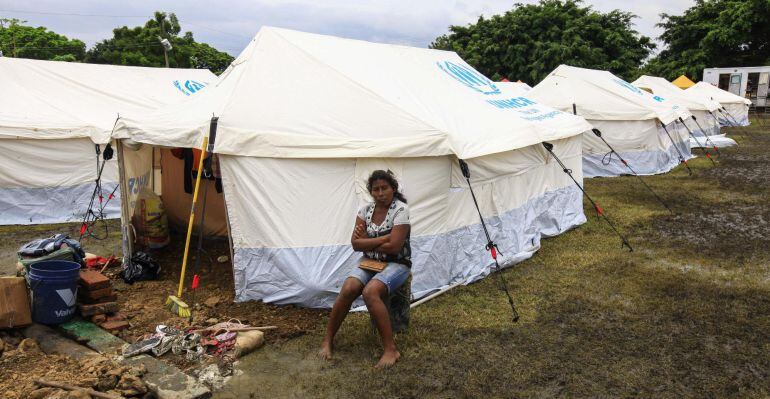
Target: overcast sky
229,24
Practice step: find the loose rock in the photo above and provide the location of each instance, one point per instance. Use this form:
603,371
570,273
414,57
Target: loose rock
212,301
107,382
138,370
29,345
130,385
78,394
88,382
43,393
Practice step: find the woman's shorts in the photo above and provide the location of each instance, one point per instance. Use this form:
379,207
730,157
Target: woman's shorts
393,276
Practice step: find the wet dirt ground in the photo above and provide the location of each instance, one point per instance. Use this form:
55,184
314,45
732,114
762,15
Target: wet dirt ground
684,315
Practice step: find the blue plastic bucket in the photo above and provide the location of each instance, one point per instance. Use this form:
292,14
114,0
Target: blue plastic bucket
54,286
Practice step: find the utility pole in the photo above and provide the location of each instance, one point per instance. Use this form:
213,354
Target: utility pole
166,47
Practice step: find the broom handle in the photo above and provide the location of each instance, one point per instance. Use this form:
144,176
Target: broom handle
192,215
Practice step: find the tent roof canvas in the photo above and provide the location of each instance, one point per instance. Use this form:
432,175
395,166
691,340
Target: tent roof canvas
54,99
714,93
514,87
600,95
683,82
664,88
291,94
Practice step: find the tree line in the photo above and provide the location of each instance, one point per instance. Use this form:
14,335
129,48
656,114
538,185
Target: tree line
526,42
529,41
137,46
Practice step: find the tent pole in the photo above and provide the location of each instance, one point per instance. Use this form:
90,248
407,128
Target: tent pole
491,246
708,138
435,294
598,134
599,210
681,156
227,221
125,221
705,151
734,121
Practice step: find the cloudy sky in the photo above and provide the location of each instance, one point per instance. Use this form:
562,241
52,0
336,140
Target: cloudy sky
229,25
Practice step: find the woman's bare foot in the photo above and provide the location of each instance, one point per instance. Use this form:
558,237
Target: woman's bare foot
388,359
326,351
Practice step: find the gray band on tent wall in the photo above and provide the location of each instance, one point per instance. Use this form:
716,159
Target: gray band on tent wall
45,205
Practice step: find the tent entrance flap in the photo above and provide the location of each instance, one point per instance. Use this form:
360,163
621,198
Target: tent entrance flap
136,174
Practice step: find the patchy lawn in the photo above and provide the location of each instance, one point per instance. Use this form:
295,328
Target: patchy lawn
685,315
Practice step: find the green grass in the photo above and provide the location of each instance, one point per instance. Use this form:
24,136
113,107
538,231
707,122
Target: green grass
687,314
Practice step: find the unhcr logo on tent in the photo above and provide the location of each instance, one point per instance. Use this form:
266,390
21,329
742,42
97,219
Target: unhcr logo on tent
518,102
189,86
628,86
469,77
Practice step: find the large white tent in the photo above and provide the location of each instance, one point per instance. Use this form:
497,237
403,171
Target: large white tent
303,119
703,109
51,116
631,120
736,106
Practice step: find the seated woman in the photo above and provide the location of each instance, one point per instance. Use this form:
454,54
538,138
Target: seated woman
381,232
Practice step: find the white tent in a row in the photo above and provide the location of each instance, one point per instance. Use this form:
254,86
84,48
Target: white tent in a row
737,107
704,110
642,128
303,119
51,116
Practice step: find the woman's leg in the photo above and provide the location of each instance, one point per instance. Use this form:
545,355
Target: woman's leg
374,293
351,289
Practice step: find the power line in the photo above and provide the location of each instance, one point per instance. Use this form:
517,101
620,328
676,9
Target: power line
72,14
109,47
217,30
69,46
120,16
102,46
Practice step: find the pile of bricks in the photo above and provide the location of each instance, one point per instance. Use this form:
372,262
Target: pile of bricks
98,302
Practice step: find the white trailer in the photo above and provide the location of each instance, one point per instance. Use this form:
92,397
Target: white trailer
748,82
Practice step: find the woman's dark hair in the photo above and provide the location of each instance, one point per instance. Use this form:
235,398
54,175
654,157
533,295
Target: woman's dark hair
388,177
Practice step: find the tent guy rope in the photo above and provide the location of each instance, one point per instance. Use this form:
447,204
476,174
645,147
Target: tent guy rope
491,246
599,210
598,134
